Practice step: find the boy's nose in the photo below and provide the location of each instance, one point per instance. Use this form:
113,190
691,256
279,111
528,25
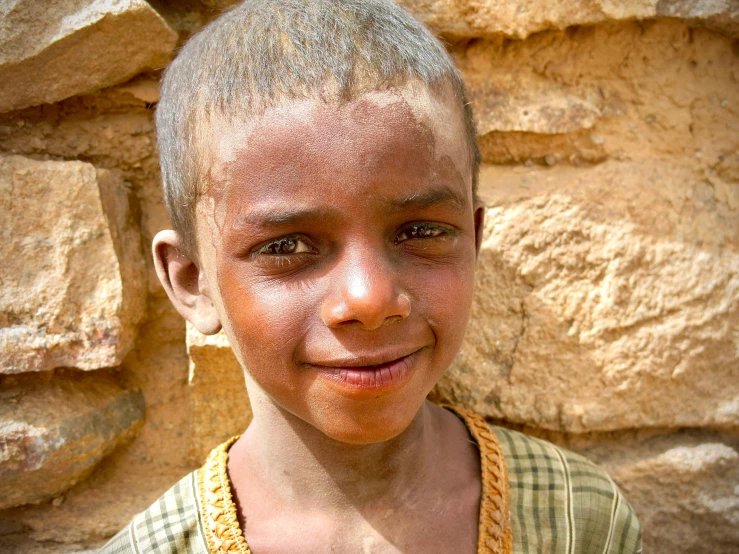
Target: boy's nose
366,292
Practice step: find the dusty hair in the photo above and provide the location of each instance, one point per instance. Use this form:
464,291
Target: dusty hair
264,52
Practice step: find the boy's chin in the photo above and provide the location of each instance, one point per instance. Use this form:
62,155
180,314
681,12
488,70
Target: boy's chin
368,425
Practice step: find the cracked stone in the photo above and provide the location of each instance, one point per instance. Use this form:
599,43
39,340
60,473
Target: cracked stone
585,308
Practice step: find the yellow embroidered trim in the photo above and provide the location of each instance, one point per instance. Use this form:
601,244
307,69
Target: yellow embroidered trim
222,531
224,535
495,535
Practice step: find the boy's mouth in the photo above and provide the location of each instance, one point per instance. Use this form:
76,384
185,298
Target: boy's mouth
369,373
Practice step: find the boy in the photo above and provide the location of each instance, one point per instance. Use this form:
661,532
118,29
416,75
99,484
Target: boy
319,164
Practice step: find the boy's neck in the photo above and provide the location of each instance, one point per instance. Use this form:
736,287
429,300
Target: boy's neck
296,465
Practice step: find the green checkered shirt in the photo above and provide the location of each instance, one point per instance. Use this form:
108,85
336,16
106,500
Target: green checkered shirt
560,504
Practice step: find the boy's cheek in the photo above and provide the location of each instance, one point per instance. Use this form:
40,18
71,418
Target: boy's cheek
453,303
448,288
266,321
259,318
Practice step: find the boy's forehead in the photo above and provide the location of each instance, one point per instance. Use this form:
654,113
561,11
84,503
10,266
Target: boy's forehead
412,112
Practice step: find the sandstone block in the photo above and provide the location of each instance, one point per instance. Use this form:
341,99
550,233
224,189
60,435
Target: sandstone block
52,50
479,18
521,102
52,434
684,487
607,298
219,404
72,274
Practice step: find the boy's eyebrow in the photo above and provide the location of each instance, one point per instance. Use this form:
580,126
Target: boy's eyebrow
275,217
428,198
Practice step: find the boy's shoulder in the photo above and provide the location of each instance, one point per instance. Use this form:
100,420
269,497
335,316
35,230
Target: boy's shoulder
563,502
170,525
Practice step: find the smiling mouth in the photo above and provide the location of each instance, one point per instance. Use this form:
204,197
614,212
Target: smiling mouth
359,375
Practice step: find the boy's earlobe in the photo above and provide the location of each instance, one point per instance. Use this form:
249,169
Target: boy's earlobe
184,283
479,226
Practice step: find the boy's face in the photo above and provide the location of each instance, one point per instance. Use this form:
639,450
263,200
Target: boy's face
338,244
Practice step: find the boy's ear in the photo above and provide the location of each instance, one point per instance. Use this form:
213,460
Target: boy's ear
184,283
479,226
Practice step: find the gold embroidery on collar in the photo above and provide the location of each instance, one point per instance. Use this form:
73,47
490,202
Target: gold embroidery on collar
222,531
224,536
495,535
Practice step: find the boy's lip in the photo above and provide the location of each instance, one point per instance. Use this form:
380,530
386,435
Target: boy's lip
366,361
360,376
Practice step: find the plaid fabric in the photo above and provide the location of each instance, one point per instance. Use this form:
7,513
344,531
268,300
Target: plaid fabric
171,525
562,503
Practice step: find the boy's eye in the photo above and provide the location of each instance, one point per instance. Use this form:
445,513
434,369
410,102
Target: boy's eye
284,246
421,231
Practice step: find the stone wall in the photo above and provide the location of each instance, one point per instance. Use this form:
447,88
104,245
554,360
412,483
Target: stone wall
607,308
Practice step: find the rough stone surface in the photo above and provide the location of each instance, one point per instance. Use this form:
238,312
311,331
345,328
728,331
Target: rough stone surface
607,92
721,16
52,434
73,288
521,102
684,486
585,308
476,18
219,405
112,129
52,50
136,474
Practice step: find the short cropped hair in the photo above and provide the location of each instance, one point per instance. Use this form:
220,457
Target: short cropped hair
264,52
